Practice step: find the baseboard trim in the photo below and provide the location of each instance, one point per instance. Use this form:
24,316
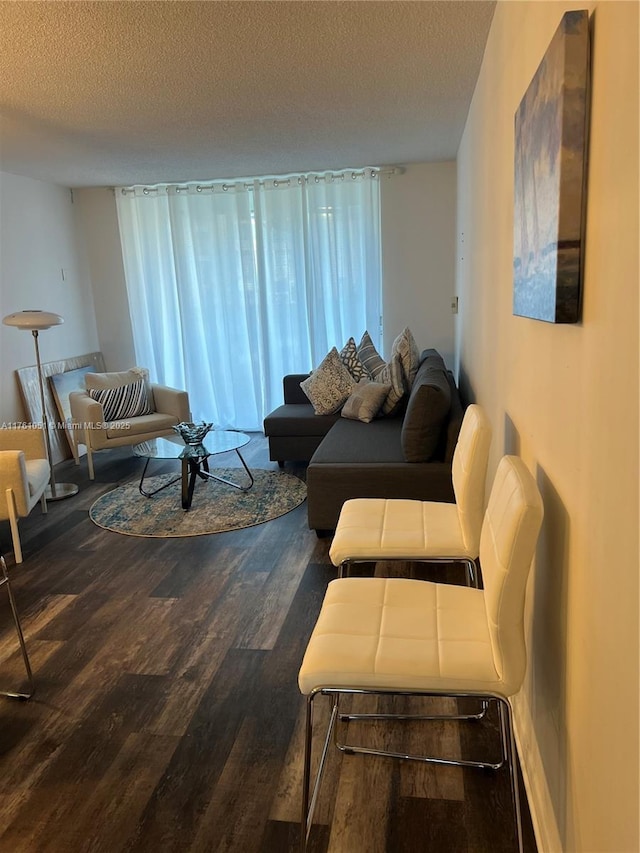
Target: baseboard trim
545,826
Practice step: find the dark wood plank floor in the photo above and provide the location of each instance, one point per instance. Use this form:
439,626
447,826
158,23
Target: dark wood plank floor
167,715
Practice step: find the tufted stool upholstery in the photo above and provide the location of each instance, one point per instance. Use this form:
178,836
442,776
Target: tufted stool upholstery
371,529
394,635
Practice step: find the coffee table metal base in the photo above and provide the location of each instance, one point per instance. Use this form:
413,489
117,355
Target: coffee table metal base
192,468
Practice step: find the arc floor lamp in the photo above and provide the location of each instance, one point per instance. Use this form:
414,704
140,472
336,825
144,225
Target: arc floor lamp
36,321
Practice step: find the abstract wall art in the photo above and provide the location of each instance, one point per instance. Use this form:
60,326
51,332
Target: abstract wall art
551,137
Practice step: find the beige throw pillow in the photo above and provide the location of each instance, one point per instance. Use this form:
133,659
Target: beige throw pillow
406,348
392,374
365,401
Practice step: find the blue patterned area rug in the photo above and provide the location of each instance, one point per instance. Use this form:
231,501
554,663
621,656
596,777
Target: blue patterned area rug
216,507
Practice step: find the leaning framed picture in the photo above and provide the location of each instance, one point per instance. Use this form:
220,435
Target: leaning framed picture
551,138
29,385
62,384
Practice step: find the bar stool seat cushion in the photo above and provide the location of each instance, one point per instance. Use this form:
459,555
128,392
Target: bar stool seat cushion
400,634
382,529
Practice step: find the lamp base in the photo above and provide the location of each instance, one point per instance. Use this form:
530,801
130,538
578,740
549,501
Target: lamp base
63,490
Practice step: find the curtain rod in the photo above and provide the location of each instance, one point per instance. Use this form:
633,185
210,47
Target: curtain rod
275,182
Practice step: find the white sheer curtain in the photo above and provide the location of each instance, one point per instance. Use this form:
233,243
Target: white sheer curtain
233,285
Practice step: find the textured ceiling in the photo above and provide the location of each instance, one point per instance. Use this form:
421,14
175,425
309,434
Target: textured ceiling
112,93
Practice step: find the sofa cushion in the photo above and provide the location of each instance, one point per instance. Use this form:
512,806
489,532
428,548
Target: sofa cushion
370,357
365,401
123,402
329,385
38,473
354,443
295,419
142,426
427,410
351,360
407,349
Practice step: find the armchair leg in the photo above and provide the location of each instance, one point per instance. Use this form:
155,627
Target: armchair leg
4,581
74,450
13,523
92,474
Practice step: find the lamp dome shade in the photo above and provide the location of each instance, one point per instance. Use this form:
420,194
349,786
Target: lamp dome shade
34,319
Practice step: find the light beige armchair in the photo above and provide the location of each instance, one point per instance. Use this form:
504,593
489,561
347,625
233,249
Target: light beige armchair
95,426
24,476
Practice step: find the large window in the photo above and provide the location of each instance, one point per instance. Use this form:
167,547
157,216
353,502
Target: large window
233,285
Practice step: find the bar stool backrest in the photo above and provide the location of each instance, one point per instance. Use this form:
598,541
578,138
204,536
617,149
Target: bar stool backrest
507,545
469,473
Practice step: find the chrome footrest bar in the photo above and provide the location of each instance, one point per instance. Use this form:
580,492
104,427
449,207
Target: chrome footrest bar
346,718
507,743
349,749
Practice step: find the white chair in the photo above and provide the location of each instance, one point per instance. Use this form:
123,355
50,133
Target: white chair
417,638
96,431
16,694
373,529
24,477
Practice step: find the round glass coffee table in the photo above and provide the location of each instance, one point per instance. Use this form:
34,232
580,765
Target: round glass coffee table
194,460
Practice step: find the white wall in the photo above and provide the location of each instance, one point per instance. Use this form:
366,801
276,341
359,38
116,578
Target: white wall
101,238
38,239
566,399
418,212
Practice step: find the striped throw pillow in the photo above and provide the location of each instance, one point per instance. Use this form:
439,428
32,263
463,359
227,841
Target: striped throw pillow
127,401
370,357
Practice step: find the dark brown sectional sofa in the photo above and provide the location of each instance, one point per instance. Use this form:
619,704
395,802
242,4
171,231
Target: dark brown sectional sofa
407,455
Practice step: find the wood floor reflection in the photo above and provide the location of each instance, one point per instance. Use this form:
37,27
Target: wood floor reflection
167,715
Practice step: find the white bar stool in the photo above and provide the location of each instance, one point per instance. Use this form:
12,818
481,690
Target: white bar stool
377,529
396,636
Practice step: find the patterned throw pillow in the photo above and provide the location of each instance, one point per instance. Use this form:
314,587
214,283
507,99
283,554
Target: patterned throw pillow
369,356
365,401
406,347
100,381
349,357
329,386
127,401
392,374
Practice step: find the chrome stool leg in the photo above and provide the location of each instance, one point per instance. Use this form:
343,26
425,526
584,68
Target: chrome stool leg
4,581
